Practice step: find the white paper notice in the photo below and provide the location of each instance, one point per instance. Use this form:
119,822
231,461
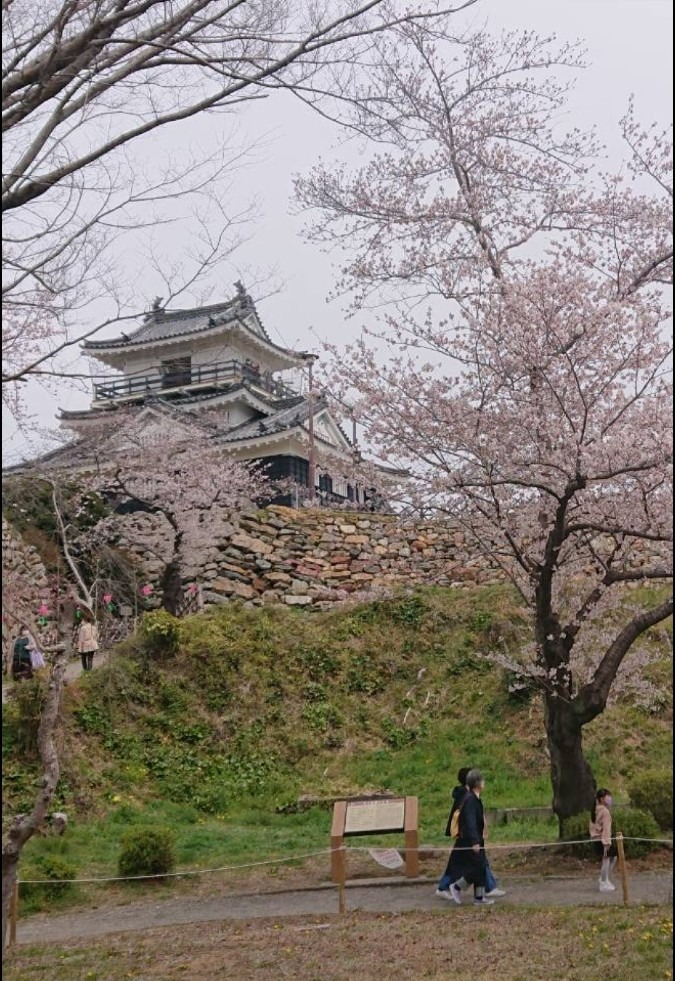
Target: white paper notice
388,858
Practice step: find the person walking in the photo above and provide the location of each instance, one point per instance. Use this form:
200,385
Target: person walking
600,830
37,659
451,874
87,643
468,853
22,668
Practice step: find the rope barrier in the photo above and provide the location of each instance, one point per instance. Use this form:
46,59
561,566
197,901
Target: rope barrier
285,860
185,872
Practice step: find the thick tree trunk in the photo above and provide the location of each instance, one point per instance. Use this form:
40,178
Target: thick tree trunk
572,778
171,586
24,826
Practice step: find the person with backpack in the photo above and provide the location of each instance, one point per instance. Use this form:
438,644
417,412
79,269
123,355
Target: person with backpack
600,830
22,667
468,853
451,874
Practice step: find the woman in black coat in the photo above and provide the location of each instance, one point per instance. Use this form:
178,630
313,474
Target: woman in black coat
468,854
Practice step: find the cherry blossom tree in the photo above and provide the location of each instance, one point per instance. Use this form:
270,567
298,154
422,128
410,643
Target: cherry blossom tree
87,86
170,466
521,370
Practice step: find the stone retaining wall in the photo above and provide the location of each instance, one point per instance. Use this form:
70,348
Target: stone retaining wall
307,557
25,584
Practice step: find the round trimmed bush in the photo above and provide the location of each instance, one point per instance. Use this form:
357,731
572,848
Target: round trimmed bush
160,633
147,851
49,867
632,823
652,791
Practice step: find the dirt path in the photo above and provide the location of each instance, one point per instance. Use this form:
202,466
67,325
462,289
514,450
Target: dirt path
73,671
400,897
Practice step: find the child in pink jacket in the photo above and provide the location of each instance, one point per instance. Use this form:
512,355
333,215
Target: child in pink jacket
600,830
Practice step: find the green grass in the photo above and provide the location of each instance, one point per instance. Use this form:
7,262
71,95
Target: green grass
260,706
503,944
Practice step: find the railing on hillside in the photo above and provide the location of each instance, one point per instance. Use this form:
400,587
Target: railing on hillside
222,374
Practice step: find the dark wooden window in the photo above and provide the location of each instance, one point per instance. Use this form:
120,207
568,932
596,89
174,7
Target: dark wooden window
325,483
176,372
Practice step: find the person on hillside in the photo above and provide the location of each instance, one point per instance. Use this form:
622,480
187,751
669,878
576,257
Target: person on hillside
450,875
22,668
37,659
600,830
468,853
87,642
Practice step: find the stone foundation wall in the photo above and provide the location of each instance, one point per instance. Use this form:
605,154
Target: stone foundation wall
25,585
307,557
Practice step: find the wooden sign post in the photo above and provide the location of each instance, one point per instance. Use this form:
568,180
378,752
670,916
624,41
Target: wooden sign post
373,816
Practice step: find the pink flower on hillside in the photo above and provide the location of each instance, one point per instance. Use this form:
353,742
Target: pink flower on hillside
43,610
147,590
192,588
107,597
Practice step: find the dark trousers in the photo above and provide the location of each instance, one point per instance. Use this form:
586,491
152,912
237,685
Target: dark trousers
87,658
451,875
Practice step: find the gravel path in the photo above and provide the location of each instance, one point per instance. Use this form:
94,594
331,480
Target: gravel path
74,670
399,897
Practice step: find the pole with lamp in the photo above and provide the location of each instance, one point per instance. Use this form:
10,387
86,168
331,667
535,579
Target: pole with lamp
310,359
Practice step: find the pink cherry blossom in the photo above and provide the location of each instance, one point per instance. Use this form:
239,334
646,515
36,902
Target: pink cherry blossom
514,357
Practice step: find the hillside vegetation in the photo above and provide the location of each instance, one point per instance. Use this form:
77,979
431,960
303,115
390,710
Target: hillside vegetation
218,723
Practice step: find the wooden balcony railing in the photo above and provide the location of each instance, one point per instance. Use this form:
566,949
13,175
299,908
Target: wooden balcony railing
219,375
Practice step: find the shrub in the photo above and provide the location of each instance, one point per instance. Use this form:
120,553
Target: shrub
49,867
147,851
634,823
24,716
160,633
631,822
652,791
576,829
55,867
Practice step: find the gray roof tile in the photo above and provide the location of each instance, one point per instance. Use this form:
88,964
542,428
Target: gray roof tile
295,413
164,324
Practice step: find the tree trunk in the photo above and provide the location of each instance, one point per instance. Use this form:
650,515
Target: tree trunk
24,826
573,782
171,587
171,583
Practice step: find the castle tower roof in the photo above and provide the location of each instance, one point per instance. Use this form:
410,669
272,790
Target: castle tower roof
163,328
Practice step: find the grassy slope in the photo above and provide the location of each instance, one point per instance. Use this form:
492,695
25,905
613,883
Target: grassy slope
261,706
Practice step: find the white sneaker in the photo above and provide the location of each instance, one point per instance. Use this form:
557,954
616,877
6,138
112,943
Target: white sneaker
483,902
455,894
607,887
443,894
495,894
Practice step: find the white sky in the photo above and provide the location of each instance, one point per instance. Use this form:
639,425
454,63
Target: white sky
629,46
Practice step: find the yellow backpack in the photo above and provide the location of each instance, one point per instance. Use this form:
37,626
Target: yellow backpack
454,824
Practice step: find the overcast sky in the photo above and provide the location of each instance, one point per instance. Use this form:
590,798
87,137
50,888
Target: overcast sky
629,46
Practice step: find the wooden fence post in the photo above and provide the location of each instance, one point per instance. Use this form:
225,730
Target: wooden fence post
338,857
622,868
13,913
